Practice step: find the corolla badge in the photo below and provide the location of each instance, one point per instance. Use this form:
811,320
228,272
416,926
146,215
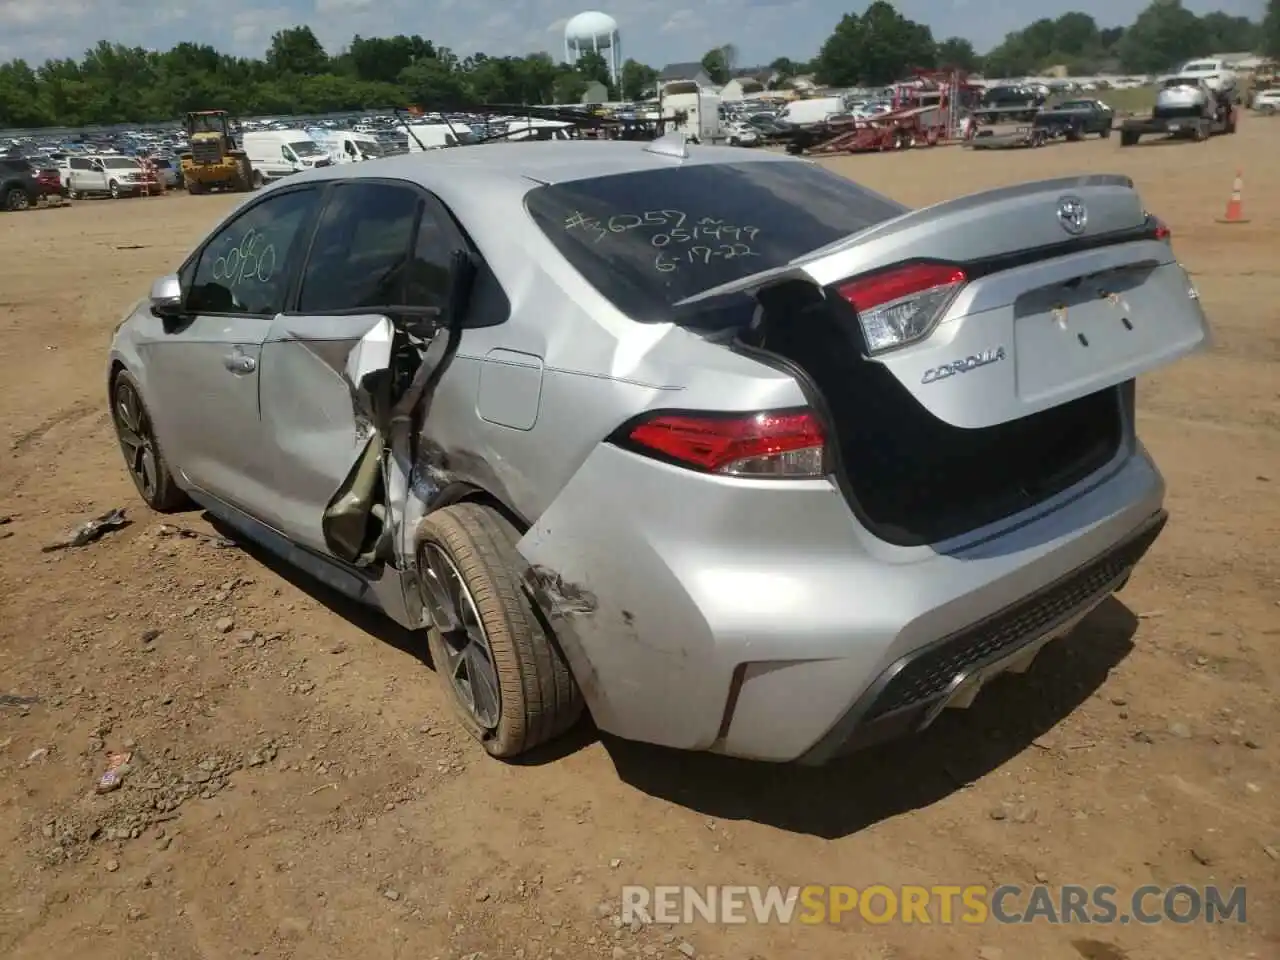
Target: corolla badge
973,362
1072,215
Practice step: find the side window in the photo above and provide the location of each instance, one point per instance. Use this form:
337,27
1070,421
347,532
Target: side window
360,258
79,163
433,248
245,267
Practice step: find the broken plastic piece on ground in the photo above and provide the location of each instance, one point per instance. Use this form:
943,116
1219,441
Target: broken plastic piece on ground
117,769
91,530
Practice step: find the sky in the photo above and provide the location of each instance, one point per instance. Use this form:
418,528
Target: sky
653,31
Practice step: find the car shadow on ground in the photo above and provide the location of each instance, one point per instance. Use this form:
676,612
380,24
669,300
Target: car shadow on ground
381,627
848,795
359,615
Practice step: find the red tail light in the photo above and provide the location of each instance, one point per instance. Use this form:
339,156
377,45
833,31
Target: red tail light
781,443
902,305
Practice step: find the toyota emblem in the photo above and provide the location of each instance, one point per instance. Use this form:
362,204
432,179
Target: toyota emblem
1072,215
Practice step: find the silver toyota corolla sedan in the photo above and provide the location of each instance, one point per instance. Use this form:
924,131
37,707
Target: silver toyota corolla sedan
733,452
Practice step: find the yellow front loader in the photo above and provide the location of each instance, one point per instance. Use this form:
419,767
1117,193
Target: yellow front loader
213,161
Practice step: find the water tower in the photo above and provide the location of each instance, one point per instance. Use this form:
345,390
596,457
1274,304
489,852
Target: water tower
594,31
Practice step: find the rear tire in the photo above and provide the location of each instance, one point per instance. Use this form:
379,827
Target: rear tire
195,187
467,563
16,199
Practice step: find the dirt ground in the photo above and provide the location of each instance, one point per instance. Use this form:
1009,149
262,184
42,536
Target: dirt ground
301,790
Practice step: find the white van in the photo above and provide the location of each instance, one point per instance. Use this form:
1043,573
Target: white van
278,153
432,136
805,112
346,146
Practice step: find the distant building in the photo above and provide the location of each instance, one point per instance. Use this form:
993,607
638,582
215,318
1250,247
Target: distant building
596,92
685,72
741,88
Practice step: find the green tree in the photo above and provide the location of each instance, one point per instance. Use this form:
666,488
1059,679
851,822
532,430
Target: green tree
569,87
1164,34
20,99
1269,40
1075,35
296,51
959,53
1222,33
435,81
638,79
785,68
592,66
380,59
716,65
879,47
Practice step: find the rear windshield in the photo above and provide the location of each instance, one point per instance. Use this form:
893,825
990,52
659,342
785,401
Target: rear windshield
647,240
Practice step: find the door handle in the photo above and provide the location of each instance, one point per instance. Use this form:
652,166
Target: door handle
239,363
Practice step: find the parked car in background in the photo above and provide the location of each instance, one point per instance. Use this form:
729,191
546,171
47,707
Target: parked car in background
738,133
111,175
738,454
1009,103
19,188
1267,101
169,171
50,183
1074,119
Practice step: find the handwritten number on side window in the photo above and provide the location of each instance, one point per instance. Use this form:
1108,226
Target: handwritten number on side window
249,261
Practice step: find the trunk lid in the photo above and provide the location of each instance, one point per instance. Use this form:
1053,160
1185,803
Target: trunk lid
1066,294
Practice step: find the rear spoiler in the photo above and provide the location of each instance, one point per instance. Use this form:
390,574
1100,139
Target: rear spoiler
796,269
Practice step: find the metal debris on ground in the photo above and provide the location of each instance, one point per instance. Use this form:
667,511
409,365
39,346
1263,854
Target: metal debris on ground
91,530
14,700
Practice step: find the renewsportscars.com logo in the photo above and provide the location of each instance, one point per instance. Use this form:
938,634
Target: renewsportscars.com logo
937,904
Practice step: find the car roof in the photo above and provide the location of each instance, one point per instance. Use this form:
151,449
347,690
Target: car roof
526,163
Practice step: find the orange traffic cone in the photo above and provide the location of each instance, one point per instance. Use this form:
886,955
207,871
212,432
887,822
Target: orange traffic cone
1235,206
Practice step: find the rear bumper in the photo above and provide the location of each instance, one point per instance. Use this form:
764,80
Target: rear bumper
759,619
907,696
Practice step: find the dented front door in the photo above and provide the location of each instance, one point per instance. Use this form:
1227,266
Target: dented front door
324,443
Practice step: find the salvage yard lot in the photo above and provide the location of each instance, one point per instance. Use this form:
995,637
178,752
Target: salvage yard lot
315,798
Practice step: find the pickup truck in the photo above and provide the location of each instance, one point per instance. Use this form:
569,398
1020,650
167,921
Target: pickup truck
19,189
1074,119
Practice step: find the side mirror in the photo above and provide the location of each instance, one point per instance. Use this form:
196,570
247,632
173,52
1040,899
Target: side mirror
166,297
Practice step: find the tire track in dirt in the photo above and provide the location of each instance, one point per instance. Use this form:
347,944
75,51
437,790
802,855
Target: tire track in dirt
24,442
